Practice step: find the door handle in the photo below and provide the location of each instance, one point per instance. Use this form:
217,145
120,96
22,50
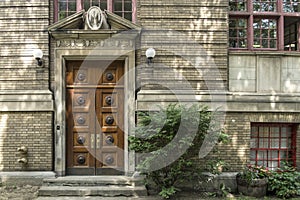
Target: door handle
98,140
92,141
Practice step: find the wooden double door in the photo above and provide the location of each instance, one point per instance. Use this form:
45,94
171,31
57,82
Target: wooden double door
95,122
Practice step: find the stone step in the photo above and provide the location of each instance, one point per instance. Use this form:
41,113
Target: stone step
104,191
94,181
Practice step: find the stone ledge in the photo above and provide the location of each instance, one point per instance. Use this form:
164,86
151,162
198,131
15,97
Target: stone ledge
224,101
29,100
212,182
25,178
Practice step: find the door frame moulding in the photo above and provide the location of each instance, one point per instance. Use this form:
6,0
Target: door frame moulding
60,58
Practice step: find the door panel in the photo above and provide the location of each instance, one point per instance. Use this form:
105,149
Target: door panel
95,110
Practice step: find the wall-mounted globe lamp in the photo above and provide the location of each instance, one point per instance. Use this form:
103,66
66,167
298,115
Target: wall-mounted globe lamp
150,53
38,55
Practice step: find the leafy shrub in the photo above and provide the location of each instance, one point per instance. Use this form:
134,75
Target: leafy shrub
285,182
156,136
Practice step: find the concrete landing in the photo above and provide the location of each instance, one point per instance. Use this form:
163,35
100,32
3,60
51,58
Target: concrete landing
86,186
101,198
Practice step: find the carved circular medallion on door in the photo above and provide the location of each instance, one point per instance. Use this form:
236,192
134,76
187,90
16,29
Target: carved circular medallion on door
80,120
109,76
81,100
109,160
109,100
81,76
80,159
109,140
81,140
109,120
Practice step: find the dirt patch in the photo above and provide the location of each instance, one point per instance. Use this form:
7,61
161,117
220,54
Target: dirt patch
26,192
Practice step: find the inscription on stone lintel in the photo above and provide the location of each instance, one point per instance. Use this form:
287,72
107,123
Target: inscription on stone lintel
122,43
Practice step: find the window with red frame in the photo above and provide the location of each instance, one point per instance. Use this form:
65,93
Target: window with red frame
264,25
123,8
273,145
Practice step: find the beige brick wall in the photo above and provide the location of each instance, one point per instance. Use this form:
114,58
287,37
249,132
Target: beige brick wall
30,129
237,152
186,26
22,29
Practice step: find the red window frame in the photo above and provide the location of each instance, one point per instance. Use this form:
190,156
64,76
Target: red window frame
109,3
278,10
265,143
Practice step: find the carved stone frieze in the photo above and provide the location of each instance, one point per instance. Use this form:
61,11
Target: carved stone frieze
120,43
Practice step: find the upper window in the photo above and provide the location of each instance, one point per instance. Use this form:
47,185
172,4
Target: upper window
123,8
273,145
264,25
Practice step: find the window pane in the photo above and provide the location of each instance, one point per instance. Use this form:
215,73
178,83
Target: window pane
273,165
289,145
238,33
233,43
262,155
252,155
274,146
284,143
274,143
283,155
66,8
265,33
283,131
289,130
263,143
262,163
62,15
128,16
233,33
100,3
62,5
290,155
256,33
265,43
128,6
118,6
123,8
273,44
273,155
254,143
291,5
238,5
263,131
254,130
72,6
274,131
265,5
272,33
252,162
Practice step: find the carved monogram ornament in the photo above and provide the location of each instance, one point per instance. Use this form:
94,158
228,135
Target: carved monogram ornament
122,43
95,19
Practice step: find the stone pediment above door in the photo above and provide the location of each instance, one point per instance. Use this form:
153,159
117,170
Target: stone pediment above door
92,24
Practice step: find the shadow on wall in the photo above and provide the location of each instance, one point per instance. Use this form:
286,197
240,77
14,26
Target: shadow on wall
3,130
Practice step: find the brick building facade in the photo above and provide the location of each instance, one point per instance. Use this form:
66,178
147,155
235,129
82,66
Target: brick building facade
256,88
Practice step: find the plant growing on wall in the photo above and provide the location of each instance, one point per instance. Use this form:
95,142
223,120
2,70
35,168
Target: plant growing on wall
158,130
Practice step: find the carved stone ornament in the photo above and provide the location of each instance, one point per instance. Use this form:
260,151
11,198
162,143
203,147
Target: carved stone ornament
96,19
